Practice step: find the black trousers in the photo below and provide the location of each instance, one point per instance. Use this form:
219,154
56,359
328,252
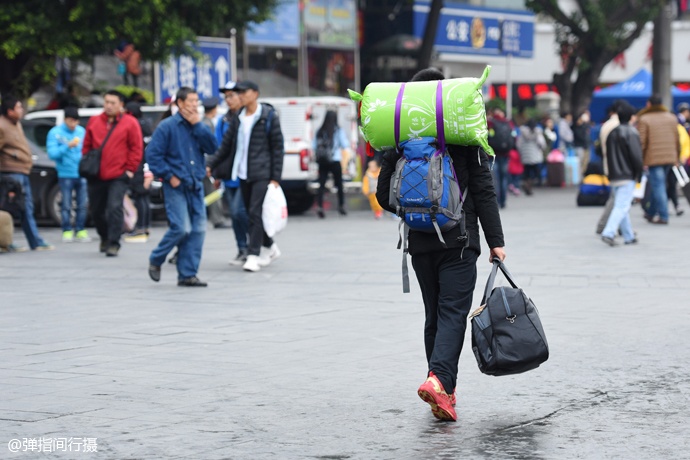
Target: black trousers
142,201
447,282
253,194
672,189
333,168
105,203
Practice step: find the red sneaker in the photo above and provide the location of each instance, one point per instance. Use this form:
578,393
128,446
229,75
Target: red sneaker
441,403
452,399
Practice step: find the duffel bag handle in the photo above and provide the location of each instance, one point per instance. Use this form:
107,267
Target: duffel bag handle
492,278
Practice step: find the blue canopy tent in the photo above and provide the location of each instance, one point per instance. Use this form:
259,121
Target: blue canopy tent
635,90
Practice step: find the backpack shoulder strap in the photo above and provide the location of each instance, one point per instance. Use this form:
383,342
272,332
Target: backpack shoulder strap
269,120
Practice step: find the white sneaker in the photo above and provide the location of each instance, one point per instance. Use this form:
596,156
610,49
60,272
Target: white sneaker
252,264
268,255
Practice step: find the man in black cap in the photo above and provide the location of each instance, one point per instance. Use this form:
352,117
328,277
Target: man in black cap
254,144
210,111
215,209
232,194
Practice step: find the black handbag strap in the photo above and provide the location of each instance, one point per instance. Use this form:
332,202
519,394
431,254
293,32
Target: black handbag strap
107,136
492,278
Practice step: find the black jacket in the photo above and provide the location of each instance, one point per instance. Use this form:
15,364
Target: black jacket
624,154
266,149
472,167
223,169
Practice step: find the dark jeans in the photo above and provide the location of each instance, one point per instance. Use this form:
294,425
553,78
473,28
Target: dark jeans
447,282
333,168
28,222
500,173
253,194
78,186
142,201
187,216
532,173
238,214
658,204
105,202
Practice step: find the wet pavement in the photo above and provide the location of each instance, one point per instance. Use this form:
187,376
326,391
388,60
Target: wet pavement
320,354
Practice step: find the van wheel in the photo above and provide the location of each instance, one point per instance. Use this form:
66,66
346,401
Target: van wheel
54,204
299,203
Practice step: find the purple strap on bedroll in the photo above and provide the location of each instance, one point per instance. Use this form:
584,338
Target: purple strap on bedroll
440,129
398,109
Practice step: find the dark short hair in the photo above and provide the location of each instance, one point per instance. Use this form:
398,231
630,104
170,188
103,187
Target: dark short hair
625,111
430,74
613,108
183,92
655,99
114,92
9,102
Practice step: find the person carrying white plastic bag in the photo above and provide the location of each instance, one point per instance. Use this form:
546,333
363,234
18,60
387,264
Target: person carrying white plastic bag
253,144
274,212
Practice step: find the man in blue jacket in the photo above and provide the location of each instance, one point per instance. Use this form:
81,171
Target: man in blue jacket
176,154
64,148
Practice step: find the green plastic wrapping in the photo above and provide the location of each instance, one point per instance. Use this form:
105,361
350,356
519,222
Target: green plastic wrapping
464,115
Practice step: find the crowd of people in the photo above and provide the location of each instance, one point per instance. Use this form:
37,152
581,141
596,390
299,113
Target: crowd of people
526,148
186,151
192,154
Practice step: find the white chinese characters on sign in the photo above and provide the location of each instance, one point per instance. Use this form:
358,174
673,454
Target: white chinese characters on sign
206,74
511,37
170,80
458,31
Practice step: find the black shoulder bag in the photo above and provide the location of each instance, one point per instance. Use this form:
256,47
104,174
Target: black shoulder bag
90,164
507,335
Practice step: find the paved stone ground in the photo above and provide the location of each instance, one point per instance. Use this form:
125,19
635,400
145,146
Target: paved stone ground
320,355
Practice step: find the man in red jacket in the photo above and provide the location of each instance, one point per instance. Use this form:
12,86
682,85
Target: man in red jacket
120,157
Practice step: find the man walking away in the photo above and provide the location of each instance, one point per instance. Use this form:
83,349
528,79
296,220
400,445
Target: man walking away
661,149
254,144
120,158
624,161
447,273
176,153
16,162
64,144
609,125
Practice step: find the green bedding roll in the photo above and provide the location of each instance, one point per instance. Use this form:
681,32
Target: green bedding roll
463,112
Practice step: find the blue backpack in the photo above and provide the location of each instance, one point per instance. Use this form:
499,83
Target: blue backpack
424,188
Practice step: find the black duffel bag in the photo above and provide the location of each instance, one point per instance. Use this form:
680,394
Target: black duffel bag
507,335
90,163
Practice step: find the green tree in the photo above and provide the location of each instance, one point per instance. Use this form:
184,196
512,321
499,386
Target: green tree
589,37
33,33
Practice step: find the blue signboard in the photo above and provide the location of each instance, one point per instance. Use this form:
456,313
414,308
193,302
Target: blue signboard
463,29
281,31
207,74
